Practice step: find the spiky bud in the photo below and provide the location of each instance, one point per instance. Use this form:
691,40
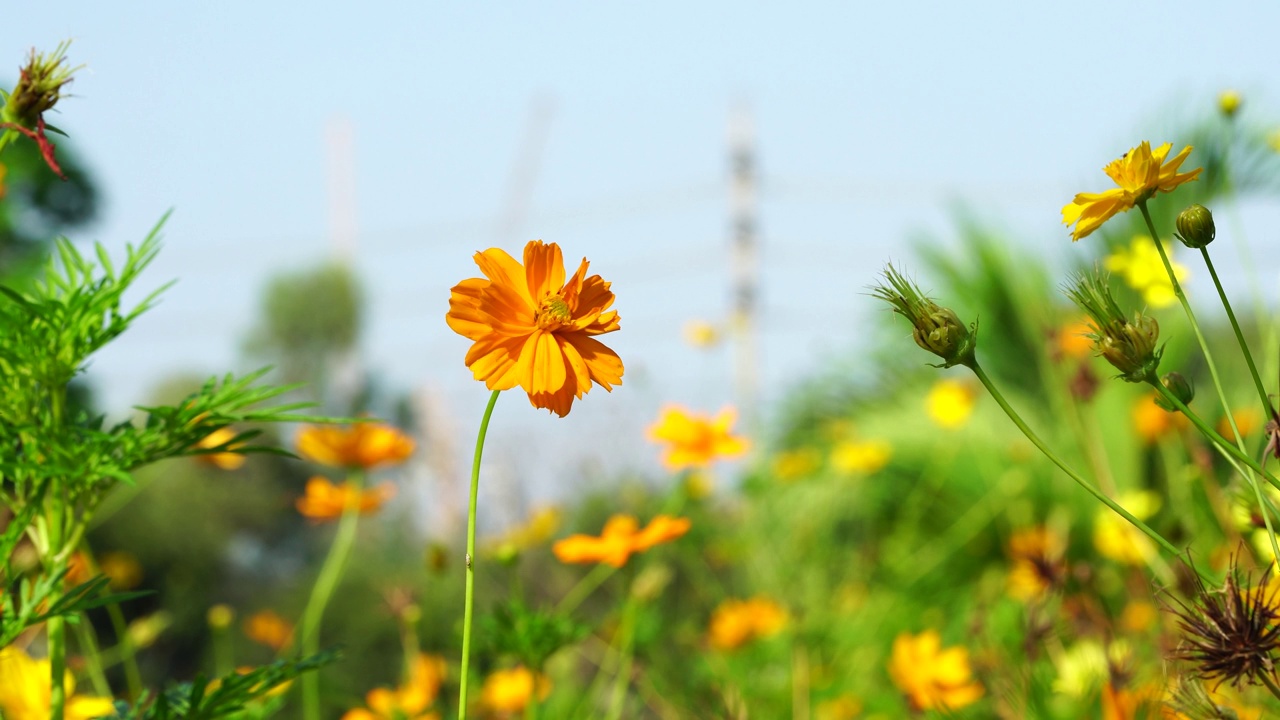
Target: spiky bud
935,328
39,87
1179,387
1130,345
1195,227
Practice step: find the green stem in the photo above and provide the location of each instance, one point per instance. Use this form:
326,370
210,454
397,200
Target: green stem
1035,440
6,138
223,658
1212,434
1270,683
584,588
93,664
326,583
55,560
622,680
471,556
128,654
1235,325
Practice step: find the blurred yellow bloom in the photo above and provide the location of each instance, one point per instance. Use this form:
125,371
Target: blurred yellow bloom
1229,102
122,568
845,707
1144,703
533,329
1143,270
850,456
1152,422
326,501
621,537
694,439
701,334
950,403
537,529
1138,616
363,445
1273,139
1036,564
220,616
26,686
1141,173
699,484
228,459
410,701
1072,339
1080,669
737,622
507,692
791,465
1248,420
930,676
268,628
1116,539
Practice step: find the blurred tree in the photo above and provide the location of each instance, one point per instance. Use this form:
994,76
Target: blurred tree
36,206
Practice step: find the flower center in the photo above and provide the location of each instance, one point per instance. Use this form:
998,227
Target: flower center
553,312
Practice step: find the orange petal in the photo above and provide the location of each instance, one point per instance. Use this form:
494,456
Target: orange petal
543,268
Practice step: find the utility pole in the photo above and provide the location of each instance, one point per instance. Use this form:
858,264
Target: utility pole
345,373
743,200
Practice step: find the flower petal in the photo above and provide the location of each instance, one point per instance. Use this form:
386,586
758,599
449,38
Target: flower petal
543,268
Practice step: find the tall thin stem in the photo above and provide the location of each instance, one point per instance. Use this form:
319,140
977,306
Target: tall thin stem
1053,457
1235,325
58,508
330,573
471,555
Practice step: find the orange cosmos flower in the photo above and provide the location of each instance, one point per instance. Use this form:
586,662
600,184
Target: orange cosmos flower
620,538
410,701
507,692
228,459
326,501
694,439
1141,173
363,445
736,622
531,328
268,628
930,676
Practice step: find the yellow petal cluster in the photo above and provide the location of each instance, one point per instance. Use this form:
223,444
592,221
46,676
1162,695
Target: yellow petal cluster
411,700
228,459
931,677
1143,270
621,537
694,439
26,687
508,692
266,627
1035,556
1141,173
531,328
734,623
325,501
361,446
950,403
1116,539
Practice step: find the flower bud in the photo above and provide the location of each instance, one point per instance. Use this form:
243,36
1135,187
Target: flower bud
39,87
221,616
935,328
1131,346
1195,226
1229,102
1179,387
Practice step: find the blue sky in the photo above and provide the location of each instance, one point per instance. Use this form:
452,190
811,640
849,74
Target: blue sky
871,119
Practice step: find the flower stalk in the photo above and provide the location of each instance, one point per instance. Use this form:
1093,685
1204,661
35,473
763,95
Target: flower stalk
468,608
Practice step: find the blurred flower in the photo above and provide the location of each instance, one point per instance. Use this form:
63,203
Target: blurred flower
930,676
794,464
701,334
1072,339
1152,422
620,538
268,628
122,568
507,692
1230,634
538,528
699,484
695,439
1080,668
1116,539
144,631
950,403
844,707
1123,703
326,501
865,458
1248,420
1143,270
1141,173
228,459
533,329
79,569
220,616
1229,102
734,623
412,700
26,686
363,445
1036,563
1138,616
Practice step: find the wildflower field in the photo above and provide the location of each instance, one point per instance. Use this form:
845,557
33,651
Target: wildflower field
1047,495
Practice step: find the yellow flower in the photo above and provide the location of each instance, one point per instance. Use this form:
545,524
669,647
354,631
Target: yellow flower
268,628
794,464
930,676
1138,616
1141,173
507,692
228,459
694,439
1116,539
540,526
363,445
701,334
1142,270
1072,339
1036,563
734,623
1229,102
25,687
327,501
123,570
1080,668
950,403
1247,420
533,329
1152,422
220,616
849,456
410,701
620,538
